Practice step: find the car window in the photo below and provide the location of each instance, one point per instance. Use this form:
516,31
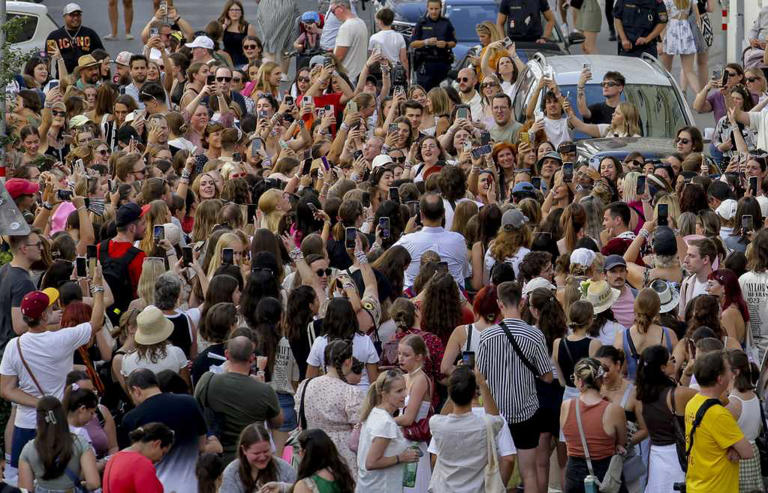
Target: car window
27,31
466,17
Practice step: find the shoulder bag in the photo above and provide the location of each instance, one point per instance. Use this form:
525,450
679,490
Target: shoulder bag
611,482
492,481
679,435
762,441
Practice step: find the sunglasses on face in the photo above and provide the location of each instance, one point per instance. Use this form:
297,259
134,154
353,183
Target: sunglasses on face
237,79
752,79
303,79
400,159
59,113
250,47
609,84
728,73
223,79
103,152
323,272
463,79
680,140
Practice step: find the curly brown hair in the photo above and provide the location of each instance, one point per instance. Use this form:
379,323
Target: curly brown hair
441,308
507,243
706,313
153,352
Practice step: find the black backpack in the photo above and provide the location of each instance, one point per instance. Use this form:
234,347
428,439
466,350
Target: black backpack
116,274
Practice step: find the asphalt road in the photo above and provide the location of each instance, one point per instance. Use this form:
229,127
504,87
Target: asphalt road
198,13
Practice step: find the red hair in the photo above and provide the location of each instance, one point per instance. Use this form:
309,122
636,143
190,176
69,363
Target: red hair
733,295
75,313
485,304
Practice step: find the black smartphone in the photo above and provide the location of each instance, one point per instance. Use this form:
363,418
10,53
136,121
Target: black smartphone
567,172
159,232
394,194
753,185
384,227
468,358
663,216
485,137
746,223
186,255
312,207
392,129
357,154
91,254
366,199
64,195
227,256
481,151
536,182
252,212
255,147
288,100
417,213
211,79
81,266
462,112
112,185
640,190
349,238
306,167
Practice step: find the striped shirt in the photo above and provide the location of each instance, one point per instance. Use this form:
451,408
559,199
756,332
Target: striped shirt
512,384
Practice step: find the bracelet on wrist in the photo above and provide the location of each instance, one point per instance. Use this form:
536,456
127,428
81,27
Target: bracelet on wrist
97,289
361,257
296,254
344,126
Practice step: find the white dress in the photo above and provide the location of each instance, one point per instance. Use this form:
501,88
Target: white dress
424,471
679,38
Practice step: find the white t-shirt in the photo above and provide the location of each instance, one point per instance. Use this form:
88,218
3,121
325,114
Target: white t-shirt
389,43
362,349
754,287
514,261
49,356
353,34
557,130
380,424
174,360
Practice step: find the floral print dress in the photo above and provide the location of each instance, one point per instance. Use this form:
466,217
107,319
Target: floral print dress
678,39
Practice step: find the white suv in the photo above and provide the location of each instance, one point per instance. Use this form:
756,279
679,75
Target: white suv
37,25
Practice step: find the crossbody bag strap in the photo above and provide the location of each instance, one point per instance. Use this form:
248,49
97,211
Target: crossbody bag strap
302,415
583,437
696,422
519,351
470,329
29,370
564,343
632,348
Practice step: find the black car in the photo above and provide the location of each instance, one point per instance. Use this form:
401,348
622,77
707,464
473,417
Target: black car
465,15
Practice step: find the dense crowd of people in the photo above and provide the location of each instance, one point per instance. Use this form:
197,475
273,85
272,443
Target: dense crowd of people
235,282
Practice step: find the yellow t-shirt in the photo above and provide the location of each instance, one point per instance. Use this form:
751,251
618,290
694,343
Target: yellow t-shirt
709,469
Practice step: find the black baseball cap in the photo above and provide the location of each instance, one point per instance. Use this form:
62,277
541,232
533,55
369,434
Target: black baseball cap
664,241
127,214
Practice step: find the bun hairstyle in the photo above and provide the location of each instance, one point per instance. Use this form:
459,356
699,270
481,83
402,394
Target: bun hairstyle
403,313
746,373
151,432
383,383
336,353
590,372
580,314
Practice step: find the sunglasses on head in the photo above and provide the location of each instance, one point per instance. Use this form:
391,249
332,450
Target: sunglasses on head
323,272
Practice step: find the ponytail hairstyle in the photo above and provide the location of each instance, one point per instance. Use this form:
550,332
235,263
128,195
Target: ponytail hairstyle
375,392
580,315
336,353
254,433
590,372
416,342
485,304
552,320
208,470
647,305
745,372
403,313
76,397
151,432
54,443
349,211
651,379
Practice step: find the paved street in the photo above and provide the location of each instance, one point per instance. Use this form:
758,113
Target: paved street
198,13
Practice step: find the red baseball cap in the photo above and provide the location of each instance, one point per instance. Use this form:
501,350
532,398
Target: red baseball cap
17,187
36,302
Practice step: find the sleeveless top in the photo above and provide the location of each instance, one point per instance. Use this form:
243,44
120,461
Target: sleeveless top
634,356
600,444
570,352
233,45
630,415
473,338
181,335
749,420
658,419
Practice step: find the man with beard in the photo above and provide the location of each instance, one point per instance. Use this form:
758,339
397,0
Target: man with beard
121,261
138,68
73,39
123,67
616,275
469,96
504,127
88,69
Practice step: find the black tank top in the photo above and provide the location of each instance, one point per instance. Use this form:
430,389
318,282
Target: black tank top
233,45
658,419
568,356
180,336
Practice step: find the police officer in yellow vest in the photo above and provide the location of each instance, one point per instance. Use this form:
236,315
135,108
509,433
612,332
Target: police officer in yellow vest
638,24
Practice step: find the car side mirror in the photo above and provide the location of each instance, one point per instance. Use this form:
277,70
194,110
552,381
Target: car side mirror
575,38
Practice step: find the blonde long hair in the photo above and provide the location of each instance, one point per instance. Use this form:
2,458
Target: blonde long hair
631,124
158,213
205,218
268,206
376,391
262,79
227,240
151,269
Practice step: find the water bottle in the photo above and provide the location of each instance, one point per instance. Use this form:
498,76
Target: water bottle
590,484
409,472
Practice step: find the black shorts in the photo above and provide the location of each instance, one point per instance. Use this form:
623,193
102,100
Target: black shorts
526,433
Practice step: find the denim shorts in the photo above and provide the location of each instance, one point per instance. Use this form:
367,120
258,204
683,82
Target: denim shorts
289,413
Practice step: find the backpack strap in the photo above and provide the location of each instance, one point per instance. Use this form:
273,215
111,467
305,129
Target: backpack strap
519,351
302,415
632,348
697,421
470,329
